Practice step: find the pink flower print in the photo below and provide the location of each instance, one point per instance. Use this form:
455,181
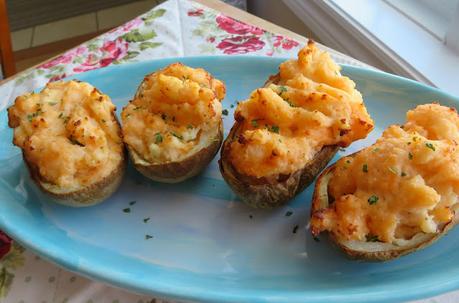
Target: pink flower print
284,42
5,244
240,45
196,13
65,58
232,26
57,77
109,52
289,44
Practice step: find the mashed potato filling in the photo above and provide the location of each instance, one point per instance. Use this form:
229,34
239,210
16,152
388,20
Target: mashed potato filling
283,125
404,184
175,113
69,132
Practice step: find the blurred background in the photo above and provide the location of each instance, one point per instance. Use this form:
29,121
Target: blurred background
418,39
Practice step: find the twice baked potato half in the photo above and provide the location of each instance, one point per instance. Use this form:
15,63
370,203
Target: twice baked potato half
71,142
397,196
173,126
287,131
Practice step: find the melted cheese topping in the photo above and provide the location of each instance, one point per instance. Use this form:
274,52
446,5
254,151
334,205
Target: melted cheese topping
406,183
69,132
283,125
175,113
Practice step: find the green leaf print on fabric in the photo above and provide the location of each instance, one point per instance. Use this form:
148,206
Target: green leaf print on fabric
131,55
93,47
14,259
6,279
146,45
153,15
136,36
10,262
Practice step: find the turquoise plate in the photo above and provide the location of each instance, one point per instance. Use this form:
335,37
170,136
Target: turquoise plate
207,245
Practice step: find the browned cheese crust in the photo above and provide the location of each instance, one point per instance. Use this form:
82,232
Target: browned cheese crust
364,250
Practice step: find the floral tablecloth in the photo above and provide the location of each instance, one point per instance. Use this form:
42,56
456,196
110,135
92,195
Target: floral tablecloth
175,28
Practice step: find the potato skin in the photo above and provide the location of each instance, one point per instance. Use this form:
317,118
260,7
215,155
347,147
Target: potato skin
87,196
356,250
175,172
273,191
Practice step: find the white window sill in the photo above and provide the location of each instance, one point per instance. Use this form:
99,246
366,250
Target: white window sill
376,33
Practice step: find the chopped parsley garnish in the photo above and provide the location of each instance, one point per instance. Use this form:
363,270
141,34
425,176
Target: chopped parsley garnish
189,126
430,145
274,129
254,122
137,108
373,199
148,237
403,174
295,229
365,168
103,120
132,203
158,138
410,156
177,136
282,89
393,170
288,213
348,161
61,115
163,116
35,114
225,112
371,238
75,141
52,103
377,149
232,105
146,220
289,103
127,210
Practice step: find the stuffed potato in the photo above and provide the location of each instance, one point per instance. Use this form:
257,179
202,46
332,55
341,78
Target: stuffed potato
173,126
396,196
70,141
287,131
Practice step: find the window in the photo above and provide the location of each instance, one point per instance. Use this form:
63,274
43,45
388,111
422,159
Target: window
436,17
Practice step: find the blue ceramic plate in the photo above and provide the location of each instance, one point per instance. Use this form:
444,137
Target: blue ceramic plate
207,245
